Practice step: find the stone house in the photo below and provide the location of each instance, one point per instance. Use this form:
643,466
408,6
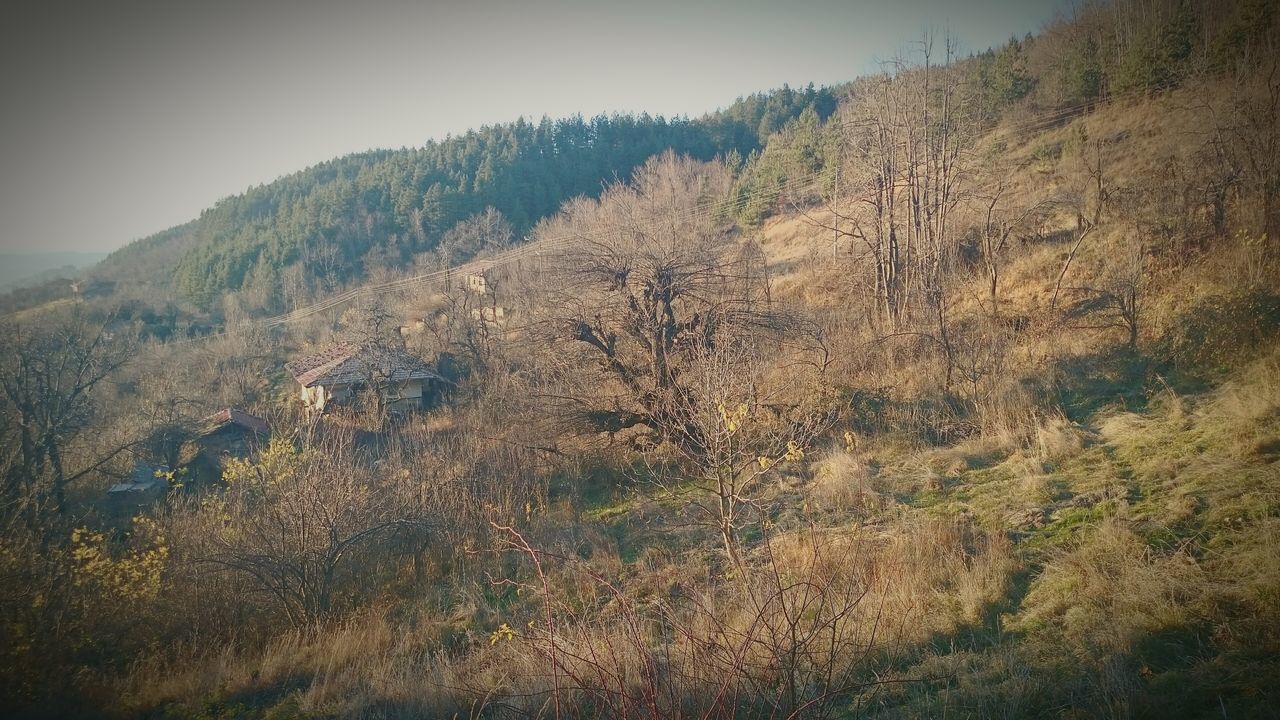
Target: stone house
338,373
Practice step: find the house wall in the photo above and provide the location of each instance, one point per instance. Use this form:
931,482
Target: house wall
402,393
318,397
338,393
313,398
405,393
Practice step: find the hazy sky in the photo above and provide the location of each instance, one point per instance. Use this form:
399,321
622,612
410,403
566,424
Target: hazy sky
121,118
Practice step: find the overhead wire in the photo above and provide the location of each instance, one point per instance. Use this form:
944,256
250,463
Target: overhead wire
539,246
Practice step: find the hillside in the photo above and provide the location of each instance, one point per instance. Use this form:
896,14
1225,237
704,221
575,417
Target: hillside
1076,528
321,229
959,397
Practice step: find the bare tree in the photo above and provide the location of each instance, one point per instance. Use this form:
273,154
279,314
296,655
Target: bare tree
677,324
1085,229
48,375
741,420
466,326
295,522
1000,224
1114,299
906,143
484,232
372,331
794,640
1246,142
647,284
872,127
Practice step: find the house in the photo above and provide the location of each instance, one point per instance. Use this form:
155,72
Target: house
228,433
337,373
476,283
416,327
492,316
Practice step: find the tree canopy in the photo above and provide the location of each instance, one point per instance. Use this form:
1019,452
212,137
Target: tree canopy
397,204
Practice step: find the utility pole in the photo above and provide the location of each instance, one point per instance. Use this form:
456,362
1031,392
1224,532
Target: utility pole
835,219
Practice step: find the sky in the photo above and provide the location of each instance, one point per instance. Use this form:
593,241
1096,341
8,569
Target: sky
120,119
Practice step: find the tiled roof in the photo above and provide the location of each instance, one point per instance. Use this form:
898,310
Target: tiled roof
307,369
349,363
232,416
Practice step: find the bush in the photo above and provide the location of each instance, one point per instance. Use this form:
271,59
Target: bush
1222,331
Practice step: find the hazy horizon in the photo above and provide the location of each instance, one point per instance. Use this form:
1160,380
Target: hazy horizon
126,120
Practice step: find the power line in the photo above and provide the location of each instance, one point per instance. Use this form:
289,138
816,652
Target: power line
702,211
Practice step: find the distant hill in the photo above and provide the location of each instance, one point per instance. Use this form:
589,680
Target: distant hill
21,269
333,223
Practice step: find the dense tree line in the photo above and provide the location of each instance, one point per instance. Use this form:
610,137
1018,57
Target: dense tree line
1132,46
314,230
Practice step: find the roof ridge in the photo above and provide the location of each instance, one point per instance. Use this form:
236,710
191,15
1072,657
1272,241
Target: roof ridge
327,365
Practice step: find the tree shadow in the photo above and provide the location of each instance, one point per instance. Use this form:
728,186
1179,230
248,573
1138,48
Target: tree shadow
1116,377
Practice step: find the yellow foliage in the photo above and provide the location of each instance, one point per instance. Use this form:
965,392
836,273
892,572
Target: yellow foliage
504,632
137,575
732,419
280,461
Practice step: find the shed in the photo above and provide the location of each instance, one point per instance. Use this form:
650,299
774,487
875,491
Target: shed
145,484
228,433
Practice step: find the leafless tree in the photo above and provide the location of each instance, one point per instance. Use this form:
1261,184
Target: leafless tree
296,522
646,285
872,175
467,326
372,329
1085,229
48,375
906,146
484,232
1246,139
677,324
1000,224
794,640
1114,299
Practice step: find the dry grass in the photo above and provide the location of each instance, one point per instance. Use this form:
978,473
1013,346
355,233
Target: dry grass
883,592
843,483
1160,527
350,668
1057,438
1113,591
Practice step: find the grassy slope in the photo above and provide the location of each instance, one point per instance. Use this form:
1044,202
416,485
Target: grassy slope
1146,546
1128,555
1146,516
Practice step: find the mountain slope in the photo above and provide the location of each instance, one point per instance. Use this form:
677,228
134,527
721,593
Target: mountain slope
336,221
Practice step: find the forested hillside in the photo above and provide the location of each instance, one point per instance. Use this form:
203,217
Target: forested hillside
314,231
953,393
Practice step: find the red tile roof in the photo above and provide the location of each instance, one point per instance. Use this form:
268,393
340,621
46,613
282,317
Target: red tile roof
228,416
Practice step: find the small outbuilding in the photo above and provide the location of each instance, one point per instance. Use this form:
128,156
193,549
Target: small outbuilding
145,485
228,433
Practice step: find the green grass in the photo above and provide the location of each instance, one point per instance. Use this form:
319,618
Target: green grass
1152,588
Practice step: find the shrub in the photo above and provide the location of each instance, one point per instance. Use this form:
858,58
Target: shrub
1222,331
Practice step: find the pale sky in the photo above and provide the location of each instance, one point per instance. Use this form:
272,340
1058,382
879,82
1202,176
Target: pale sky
122,118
